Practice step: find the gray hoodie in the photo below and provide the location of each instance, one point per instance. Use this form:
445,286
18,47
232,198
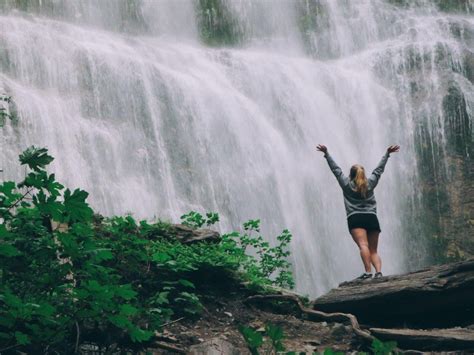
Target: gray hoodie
353,201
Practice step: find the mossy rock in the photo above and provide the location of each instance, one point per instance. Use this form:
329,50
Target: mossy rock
217,25
458,123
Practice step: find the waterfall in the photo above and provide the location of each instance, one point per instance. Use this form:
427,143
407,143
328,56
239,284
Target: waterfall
160,107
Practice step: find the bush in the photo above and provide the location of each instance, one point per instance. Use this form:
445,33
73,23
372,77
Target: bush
111,282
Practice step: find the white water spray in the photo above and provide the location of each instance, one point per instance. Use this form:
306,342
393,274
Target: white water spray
147,119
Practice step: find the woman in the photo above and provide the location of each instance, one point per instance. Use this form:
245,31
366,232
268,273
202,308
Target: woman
361,208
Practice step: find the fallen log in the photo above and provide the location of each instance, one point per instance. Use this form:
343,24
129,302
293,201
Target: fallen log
432,339
437,297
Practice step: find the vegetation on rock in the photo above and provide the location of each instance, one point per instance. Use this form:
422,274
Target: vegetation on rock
69,277
4,112
217,25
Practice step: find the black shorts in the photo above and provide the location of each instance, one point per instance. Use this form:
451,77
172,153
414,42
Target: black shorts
368,221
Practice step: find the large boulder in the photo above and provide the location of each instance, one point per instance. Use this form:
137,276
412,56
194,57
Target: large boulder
440,296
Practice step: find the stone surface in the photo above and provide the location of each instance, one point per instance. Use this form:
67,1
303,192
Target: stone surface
216,346
188,235
440,296
432,339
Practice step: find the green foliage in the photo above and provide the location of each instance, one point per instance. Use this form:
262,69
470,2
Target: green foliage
35,158
268,341
217,25
379,347
196,220
255,339
332,352
4,113
275,334
69,277
271,263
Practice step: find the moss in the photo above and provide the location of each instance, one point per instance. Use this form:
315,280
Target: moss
217,26
465,6
458,123
468,65
312,20
455,5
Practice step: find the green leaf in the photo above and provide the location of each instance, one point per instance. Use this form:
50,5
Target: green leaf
35,158
46,310
186,283
162,298
120,321
8,189
138,335
49,207
380,347
22,338
76,207
101,254
125,292
161,257
274,332
332,352
8,250
253,338
128,310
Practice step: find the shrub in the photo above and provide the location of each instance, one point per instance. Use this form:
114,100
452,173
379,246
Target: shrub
112,282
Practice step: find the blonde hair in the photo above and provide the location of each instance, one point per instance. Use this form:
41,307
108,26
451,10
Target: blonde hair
360,180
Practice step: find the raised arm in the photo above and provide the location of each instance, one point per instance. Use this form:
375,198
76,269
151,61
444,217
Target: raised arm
375,176
336,170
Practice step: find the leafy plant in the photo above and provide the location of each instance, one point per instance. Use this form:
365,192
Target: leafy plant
196,220
253,338
256,340
4,112
379,347
275,334
271,265
69,277
332,352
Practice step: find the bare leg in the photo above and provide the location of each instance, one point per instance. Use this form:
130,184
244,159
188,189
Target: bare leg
373,237
360,237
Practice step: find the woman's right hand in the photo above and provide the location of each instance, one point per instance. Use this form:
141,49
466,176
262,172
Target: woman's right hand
393,149
322,148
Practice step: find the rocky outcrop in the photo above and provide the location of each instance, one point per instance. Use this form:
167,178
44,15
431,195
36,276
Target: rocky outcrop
188,235
440,296
433,339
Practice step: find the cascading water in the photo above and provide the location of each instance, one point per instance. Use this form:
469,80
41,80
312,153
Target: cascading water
161,107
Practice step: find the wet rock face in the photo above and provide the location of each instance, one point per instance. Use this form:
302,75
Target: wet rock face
469,64
458,125
460,6
457,220
450,6
446,170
